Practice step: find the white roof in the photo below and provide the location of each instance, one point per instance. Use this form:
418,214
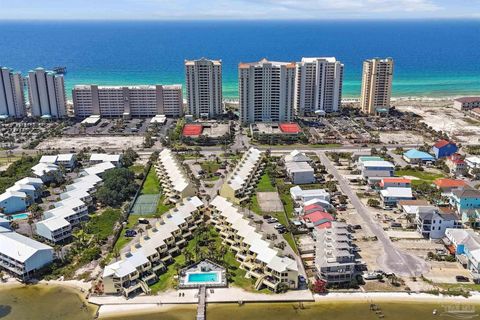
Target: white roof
65,157
48,159
105,157
315,59
120,269
19,247
296,156
298,167
244,169
251,237
89,178
30,180
54,223
174,170
41,169
70,202
21,187
12,194
397,192
98,168
381,164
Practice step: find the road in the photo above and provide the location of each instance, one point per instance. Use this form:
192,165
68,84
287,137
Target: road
393,259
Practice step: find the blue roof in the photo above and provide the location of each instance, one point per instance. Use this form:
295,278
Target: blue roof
417,154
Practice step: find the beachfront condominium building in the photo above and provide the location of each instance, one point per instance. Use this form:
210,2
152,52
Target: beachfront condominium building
12,99
376,85
318,85
46,91
203,79
136,101
266,90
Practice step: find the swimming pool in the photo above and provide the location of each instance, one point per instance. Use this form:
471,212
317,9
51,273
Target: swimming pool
203,277
18,216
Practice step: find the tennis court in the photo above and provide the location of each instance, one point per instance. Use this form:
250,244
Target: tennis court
146,204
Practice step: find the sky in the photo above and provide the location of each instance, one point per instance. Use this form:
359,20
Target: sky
237,9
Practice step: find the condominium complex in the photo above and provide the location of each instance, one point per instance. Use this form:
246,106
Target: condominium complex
256,254
203,79
376,85
46,91
148,258
173,178
318,85
240,183
136,101
266,90
334,257
12,100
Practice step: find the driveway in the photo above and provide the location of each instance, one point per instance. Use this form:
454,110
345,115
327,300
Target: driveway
392,259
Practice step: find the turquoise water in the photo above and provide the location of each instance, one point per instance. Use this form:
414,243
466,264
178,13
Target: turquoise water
203,277
432,58
18,216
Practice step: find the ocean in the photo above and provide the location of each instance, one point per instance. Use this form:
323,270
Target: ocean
432,58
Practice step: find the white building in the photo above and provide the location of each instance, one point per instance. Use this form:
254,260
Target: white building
46,91
304,196
318,85
203,80
432,225
299,170
173,179
12,100
256,255
379,168
267,91
466,103
391,195
135,101
148,258
22,256
29,190
240,183
377,81
46,171
67,160
334,257
96,158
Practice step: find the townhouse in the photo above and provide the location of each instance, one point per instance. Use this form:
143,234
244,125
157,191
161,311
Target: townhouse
96,158
241,182
334,256
147,259
255,254
67,160
98,169
299,170
48,172
173,178
22,256
13,201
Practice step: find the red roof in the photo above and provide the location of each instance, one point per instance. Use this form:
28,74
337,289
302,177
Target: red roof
442,143
396,180
456,158
449,183
468,99
289,127
316,218
190,130
312,207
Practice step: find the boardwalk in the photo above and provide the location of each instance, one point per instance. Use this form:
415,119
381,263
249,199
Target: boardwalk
202,303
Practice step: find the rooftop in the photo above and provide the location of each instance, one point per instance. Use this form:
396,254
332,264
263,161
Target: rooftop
449,183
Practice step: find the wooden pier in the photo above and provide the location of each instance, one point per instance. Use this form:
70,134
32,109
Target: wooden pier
202,304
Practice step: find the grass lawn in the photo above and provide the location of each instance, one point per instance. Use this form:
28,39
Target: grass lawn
423,176
212,178
132,222
210,166
102,224
137,168
151,185
459,286
265,185
161,207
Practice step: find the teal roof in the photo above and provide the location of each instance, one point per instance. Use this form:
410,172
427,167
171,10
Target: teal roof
417,154
369,158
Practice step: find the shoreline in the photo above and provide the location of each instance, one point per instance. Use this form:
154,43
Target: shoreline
118,310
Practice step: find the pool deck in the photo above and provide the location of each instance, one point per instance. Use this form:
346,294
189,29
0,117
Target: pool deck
220,295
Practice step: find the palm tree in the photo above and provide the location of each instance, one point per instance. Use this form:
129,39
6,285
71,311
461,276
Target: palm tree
30,223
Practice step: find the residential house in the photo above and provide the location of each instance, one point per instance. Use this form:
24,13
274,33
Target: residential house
395,182
456,164
390,196
46,171
377,169
301,196
12,202
28,189
22,256
318,219
473,164
444,148
298,168
464,199
447,185
432,225
115,159
97,169
334,256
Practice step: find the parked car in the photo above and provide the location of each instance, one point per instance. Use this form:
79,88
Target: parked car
130,233
462,279
279,226
272,220
266,216
143,221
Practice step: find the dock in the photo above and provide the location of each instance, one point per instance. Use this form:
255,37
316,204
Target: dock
202,303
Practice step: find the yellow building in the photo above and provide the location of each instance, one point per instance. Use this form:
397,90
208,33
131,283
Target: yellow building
377,80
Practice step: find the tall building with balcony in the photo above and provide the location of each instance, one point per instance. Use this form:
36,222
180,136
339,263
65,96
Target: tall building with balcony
267,91
318,85
12,99
46,92
136,101
377,80
203,79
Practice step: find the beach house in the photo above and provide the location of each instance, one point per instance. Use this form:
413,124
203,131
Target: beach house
433,223
444,148
415,156
12,202
392,195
